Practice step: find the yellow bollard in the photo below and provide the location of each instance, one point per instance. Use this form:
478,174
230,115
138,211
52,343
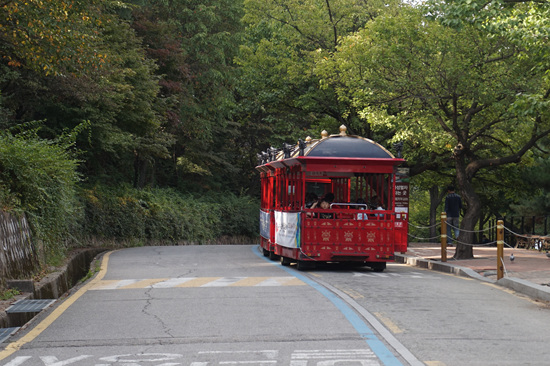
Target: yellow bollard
500,249
443,237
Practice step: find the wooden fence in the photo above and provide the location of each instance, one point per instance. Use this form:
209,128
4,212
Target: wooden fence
520,227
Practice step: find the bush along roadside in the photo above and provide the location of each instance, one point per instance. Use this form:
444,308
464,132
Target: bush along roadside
39,178
166,216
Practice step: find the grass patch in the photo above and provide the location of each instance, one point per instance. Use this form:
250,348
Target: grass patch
9,294
95,267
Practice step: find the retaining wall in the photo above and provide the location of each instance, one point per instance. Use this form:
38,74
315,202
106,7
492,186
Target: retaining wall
54,285
19,260
18,257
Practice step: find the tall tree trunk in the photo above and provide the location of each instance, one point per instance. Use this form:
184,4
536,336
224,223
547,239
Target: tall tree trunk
472,212
464,249
140,171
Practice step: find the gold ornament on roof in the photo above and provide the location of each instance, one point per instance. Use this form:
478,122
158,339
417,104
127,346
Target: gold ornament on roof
324,134
343,130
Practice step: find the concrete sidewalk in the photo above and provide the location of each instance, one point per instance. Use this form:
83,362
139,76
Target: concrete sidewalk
528,273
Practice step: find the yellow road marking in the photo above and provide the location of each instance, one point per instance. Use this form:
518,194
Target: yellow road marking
354,294
250,281
513,292
98,283
196,282
456,276
144,283
292,282
103,284
507,290
56,313
497,287
388,323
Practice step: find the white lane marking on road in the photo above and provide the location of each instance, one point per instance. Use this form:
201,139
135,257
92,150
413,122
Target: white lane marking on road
365,357
278,281
316,357
171,282
269,353
268,357
338,353
223,282
359,274
54,361
130,359
18,361
247,362
386,275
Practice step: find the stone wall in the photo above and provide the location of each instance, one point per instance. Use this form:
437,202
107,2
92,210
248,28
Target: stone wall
18,258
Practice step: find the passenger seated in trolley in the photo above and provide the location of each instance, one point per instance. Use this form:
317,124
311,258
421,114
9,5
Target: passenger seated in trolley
311,199
362,206
377,206
324,204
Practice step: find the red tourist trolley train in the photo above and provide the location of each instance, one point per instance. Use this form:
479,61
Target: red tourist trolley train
336,199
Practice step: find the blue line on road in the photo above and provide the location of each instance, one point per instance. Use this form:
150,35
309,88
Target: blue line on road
377,346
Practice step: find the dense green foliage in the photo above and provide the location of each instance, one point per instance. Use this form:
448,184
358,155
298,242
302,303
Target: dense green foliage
455,94
38,177
537,201
164,216
178,96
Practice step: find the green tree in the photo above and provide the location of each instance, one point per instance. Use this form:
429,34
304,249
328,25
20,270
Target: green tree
194,45
456,94
279,90
536,203
126,122
100,75
52,37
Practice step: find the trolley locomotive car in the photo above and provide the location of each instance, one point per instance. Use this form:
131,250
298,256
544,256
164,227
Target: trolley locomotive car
331,200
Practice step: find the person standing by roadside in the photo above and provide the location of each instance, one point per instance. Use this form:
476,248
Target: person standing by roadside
453,205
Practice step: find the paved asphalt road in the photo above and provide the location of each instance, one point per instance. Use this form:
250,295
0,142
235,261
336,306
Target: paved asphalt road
228,305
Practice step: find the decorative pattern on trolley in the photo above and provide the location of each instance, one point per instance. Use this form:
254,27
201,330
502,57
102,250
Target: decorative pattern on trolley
344,238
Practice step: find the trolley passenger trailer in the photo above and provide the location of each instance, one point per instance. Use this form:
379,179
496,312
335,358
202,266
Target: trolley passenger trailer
359,223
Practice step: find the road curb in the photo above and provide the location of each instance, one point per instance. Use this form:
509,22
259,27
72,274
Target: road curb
527,288
530,289
54,285
440,267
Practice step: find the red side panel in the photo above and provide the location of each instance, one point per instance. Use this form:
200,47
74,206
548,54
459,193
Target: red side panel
401,236
350,239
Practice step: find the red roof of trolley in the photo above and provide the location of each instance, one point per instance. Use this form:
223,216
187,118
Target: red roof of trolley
347,150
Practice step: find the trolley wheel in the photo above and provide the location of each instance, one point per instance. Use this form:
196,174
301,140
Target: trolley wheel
285,261
265,252
273,256
377,266
304,265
